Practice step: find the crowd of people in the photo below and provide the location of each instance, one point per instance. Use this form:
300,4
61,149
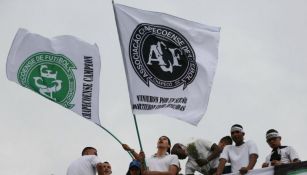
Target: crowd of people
203,156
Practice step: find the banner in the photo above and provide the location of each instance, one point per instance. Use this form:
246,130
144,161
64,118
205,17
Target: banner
170,62
63,69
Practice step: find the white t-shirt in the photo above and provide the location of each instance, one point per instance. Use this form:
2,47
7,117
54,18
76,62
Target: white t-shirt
203,148
155,163
238,156
85,165
287,154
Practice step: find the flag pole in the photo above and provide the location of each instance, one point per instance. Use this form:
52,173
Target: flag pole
114,137
137,131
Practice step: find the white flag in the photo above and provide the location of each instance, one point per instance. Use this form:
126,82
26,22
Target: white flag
63,69
170,62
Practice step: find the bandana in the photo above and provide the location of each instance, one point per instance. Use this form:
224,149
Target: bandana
236,128
272,135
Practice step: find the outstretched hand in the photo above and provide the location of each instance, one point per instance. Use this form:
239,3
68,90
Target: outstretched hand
126,147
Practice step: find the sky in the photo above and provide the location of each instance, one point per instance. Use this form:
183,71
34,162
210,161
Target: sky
260,82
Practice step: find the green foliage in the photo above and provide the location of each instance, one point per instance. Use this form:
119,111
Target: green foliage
192,151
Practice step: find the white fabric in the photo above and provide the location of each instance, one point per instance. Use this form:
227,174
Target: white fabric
288,154
203,148
236,128
272,135
238,156
155,163
31,50
187,102
85,165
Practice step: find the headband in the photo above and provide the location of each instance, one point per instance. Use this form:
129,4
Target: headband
272,135
236,128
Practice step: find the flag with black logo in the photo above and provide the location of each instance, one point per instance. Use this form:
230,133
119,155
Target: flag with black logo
63,69
170,62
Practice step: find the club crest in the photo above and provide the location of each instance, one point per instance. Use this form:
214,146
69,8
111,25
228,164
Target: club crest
50,75
162,56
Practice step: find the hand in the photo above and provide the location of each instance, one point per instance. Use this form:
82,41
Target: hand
142,156
126,147
265,165
202,162
243,170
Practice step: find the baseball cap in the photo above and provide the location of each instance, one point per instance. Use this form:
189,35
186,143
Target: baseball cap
135,163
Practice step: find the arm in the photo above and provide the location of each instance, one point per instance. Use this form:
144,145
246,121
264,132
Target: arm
252,161
293,155
127,148
266,162
221,166
216,151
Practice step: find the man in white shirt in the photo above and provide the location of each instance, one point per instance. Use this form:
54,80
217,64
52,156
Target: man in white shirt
242,156
280,154
87,164
202,154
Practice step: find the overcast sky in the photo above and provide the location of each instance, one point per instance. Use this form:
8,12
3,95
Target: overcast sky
260,82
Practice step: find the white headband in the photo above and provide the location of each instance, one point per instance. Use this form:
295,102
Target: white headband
272,135
236,128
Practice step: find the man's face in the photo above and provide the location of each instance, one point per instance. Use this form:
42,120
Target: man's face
274,142
237,136
181,151
107,168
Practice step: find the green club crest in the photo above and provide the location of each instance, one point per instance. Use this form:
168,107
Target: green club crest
50,75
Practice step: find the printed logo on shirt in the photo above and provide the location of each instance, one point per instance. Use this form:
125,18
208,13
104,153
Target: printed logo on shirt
50,75
163,56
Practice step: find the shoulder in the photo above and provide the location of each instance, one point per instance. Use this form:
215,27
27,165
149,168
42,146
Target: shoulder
172,156
250,143
228,147
173,160
289,148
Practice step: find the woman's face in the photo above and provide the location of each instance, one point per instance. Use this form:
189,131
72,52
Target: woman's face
134,171
163,142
